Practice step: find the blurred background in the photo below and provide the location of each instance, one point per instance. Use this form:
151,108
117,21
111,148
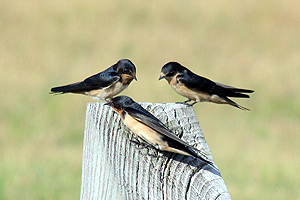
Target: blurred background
248,44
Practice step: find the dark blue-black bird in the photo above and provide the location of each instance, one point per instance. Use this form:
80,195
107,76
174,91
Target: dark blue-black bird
149,128
200,89
104,85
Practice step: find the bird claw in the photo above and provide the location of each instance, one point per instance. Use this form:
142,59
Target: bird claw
186,103
139,145
194,103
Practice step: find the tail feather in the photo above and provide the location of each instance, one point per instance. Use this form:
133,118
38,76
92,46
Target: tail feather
184,149
237,94
235,89
74,88
241,107
202,157
222,91
239,90
230,102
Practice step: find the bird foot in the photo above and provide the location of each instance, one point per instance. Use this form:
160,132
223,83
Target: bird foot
140,145
185,103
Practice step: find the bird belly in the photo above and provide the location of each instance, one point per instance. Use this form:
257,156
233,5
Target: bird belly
107,92
145,132
191,94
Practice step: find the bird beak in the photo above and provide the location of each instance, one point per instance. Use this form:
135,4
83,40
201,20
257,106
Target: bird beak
108,103
134,77
162,76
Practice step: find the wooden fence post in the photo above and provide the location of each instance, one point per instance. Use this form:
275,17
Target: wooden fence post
116,164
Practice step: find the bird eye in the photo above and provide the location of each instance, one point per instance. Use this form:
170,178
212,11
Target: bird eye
170,74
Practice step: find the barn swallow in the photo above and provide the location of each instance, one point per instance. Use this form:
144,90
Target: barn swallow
200,89
149,128
104,85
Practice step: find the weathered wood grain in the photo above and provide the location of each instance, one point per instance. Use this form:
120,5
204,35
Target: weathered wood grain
118,164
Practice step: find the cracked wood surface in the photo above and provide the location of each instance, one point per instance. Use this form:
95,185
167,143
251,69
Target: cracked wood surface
119,165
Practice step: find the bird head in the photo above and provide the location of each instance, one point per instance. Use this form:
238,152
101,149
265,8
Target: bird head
125,66
170,69
120,102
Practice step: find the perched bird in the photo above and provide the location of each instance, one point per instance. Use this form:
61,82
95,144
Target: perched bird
149,128
104,85
200,89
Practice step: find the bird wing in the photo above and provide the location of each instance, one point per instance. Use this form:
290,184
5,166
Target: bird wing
145,117
196,82
102,80
201,84
97,81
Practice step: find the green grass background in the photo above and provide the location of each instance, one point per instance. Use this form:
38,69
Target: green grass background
250,44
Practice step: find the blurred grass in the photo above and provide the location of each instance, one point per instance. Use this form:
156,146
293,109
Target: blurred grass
250,44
